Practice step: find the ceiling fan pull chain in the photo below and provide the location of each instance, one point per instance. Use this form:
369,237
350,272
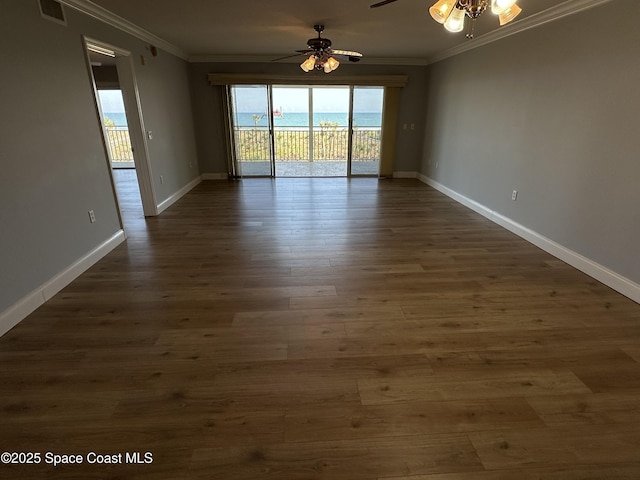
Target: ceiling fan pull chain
470,31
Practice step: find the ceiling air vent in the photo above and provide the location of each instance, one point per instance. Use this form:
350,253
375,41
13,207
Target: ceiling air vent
52,10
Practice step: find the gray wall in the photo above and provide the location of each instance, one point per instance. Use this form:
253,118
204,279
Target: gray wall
554,113
208,111
53,164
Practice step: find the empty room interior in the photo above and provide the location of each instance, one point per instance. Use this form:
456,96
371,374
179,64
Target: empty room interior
348,240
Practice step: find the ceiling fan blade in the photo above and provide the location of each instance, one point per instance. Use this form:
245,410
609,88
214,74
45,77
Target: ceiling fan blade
347,53
380,4
288,56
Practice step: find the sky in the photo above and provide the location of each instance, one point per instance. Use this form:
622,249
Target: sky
249,99
111,101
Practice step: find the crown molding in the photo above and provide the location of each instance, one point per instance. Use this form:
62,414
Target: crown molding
100,13
552,14
296,59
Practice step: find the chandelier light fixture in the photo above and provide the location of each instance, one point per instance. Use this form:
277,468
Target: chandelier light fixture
452,13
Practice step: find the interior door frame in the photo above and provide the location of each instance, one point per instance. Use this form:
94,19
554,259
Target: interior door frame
133,111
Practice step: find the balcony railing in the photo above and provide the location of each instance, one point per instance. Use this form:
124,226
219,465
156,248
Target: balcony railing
119,144
292,144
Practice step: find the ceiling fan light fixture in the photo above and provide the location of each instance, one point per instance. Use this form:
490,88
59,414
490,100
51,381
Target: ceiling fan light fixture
455,21
451,13
330,65
509,14
308,64
500,6
320,56
441,10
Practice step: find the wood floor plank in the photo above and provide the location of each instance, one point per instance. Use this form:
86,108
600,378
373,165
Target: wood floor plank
323,371
581,409
618,471
493,384
360,459
317,316
479,361
369,421
578,445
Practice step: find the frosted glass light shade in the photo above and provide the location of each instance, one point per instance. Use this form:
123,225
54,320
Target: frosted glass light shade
308,64
500,6
455,22
330,65
509,14
441,10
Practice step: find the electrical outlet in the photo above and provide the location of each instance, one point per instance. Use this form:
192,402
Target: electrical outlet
161,179
92,216
413,126
514,195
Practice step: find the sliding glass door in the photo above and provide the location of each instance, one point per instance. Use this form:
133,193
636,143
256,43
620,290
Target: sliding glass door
305,131
331,107
367,130
292,131
252,130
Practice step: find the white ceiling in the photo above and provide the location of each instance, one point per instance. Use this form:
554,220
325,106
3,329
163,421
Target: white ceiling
400,32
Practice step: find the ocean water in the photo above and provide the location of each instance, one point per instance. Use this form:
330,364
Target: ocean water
119,118
364,119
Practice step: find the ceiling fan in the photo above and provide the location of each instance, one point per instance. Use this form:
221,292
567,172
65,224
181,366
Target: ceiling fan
321,56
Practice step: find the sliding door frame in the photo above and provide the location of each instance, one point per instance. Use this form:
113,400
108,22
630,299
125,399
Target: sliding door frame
390,83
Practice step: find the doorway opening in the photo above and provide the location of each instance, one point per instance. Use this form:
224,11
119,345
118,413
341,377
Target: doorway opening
306,131
118,105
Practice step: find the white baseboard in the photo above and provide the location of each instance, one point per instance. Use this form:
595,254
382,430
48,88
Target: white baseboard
20,310
178,195
215,176
621,284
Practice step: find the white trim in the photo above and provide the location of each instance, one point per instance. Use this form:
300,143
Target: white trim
21,309
100,13
215,176
178,195
601,273
557,12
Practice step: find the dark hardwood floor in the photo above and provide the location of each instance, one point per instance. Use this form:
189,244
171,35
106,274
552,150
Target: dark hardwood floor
326,329
128,192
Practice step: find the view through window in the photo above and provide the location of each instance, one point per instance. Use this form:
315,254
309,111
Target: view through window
116,128
303,131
